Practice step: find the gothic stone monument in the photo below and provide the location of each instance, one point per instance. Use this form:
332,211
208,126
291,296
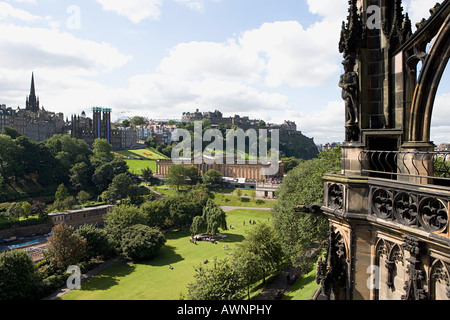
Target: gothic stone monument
388,208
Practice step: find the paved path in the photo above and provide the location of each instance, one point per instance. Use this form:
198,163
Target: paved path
279,283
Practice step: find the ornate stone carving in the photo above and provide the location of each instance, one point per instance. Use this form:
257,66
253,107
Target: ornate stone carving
332,273
351,36
335,195
434,215
406,208
382,202
414,286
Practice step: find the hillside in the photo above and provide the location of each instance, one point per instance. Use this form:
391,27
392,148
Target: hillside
295,144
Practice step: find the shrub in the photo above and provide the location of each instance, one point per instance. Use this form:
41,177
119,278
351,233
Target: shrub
19,279
140,242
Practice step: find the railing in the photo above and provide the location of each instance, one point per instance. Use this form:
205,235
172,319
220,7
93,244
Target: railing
428,167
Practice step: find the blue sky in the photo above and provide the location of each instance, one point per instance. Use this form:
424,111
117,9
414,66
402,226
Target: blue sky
269,59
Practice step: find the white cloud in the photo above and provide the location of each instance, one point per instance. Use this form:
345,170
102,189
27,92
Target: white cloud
8,11
134,10
275,54
28,48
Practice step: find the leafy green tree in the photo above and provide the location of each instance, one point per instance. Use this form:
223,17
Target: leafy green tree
97,241
137,121
120,188
119,166
64,247
300,232
155,213
246,264
147,174
26,206
15,211
102,152
19,279
61,193
83,197
12,132
219,283
198,225
103,176
119,219
176,176
264,247
80,176
213,178
140,242
9,152
214,217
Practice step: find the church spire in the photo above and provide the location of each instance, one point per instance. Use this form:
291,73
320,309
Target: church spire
32,101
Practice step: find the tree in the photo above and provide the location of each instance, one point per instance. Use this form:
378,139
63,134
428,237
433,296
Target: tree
26,206
83,197
176,176
61,193
214,218
37,208
102,152
15,211
147,174
19,279
119,219
263,248
12,132
8,158
140,242
198,225
155,213
137,121
97,241
301,231
64,247
213,178
103,176
120,188
80,176
246,264
219,283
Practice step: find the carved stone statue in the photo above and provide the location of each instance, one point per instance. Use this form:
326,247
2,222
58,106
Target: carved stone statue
349,84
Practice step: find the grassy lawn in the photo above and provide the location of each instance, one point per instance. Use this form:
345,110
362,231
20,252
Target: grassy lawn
305,287
154,280
136,166
149,153
230,200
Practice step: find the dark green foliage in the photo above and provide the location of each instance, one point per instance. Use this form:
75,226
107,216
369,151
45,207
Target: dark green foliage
18,276
97,240
140,242
119,219
219,283
303,186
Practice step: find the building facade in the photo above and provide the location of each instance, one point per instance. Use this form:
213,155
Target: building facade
388,207
100,127
33,122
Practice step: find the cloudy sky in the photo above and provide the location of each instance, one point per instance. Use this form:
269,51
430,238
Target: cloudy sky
269,59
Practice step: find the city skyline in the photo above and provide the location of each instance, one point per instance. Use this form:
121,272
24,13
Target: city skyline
269,60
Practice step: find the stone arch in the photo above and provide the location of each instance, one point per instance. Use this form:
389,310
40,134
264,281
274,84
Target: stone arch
426,89
439,281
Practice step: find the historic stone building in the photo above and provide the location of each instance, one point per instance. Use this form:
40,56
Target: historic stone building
33,122
247,171
389,206
100,127
244,123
